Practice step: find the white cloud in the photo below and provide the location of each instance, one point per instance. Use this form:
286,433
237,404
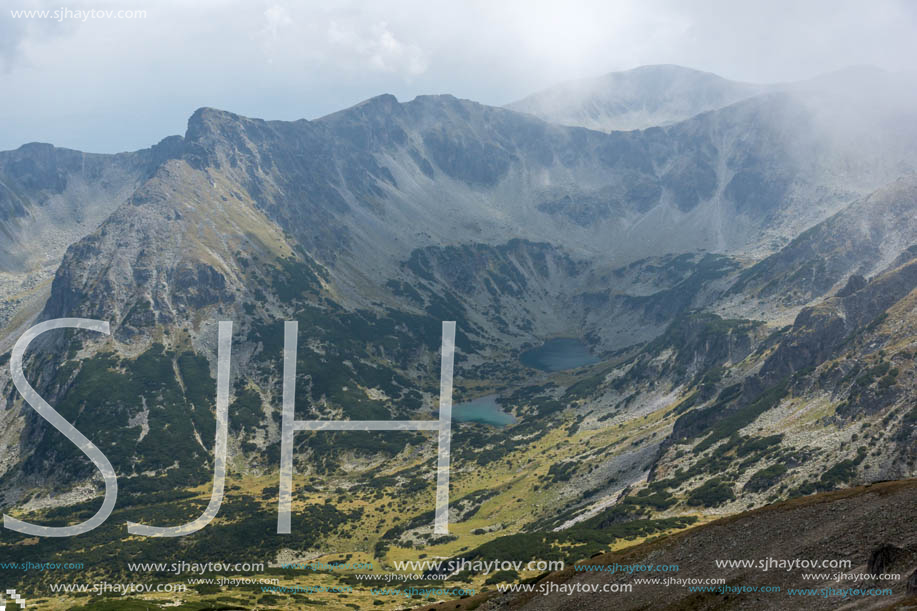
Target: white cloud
377,47
276,16
109,85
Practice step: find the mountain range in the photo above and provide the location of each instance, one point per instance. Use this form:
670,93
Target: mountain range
739,259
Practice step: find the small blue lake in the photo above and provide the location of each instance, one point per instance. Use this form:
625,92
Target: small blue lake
558,354
483,409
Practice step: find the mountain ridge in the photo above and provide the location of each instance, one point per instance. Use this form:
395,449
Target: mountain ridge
646,96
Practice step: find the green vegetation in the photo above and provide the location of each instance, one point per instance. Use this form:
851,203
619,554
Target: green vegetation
712,493
580,541
561,472
293,280
737,419
104,396
835,476
502,577
646,498
882,370
766,478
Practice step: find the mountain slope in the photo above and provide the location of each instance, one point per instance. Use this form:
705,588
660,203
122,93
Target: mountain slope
257,221
837,526
361,189
862,239
49,199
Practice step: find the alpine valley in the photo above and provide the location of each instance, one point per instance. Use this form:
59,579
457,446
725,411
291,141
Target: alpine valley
733,266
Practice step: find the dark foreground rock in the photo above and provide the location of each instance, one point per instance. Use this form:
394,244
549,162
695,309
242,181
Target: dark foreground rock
871,526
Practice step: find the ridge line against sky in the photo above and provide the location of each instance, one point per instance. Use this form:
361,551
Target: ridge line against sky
108,85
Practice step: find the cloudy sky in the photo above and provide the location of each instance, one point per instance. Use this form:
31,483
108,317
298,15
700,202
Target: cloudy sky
106,85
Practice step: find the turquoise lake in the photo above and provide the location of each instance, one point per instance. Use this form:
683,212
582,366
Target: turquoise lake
483,409
558,354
